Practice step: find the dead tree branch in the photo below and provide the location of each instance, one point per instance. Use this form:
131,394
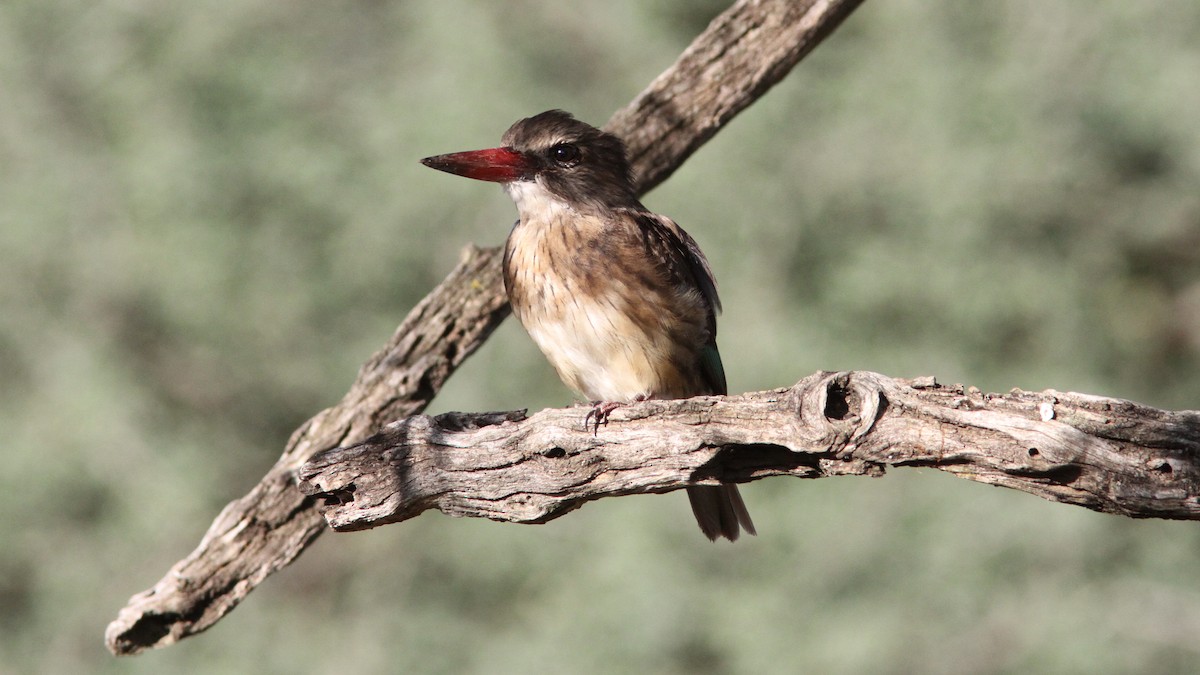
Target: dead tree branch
1100,453
731,64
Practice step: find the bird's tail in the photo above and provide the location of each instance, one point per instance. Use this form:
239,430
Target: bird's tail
720,511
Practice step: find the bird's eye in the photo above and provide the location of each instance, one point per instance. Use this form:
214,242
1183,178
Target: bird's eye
565,154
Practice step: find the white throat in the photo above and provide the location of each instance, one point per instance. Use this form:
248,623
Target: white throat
536,203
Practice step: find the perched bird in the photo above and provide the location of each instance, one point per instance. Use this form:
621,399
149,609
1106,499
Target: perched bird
619,299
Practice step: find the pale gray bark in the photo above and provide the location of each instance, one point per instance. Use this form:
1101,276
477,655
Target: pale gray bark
1100,453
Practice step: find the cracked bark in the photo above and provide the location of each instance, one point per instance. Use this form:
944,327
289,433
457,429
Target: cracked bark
1104,454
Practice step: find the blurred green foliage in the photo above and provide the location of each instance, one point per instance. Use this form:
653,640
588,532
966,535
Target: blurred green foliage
212,212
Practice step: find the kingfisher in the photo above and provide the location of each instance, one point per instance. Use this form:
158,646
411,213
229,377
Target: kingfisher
620,299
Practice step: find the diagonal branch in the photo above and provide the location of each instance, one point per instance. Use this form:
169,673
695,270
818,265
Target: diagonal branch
1103,454
745,50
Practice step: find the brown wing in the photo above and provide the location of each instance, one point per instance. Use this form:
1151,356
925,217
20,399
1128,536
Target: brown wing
680,256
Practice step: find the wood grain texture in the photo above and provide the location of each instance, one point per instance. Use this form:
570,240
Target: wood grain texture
742,53
267,528
1104,454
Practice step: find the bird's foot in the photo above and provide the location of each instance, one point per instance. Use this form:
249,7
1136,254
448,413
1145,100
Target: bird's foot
601,410
599,414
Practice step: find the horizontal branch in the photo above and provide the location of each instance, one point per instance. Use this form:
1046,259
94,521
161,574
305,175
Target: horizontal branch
1104,454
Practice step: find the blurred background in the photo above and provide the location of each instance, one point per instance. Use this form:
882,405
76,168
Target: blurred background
212,212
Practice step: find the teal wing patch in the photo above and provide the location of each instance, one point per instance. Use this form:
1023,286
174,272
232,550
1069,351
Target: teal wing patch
714,371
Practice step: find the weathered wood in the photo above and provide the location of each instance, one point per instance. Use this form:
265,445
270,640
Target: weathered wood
1103,454
265,530
741,54
732,63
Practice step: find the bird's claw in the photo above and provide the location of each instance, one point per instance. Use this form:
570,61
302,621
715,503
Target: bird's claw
599,414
